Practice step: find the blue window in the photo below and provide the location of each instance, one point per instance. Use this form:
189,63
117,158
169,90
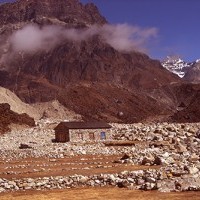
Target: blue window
103,135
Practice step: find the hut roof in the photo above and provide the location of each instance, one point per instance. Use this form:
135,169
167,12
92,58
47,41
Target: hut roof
83,125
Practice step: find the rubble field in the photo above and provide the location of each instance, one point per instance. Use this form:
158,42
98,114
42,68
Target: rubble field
158,157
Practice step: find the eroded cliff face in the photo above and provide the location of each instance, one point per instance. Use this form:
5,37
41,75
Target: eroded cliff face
96,61
88,76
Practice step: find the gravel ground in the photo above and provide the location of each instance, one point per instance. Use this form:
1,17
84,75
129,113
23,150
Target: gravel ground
173,147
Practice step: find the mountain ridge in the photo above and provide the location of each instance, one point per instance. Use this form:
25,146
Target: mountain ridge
182,68
68,11
89,76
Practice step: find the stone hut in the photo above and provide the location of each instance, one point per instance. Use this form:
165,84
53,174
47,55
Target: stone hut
84,131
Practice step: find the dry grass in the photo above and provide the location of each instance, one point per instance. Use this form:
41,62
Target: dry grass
99,194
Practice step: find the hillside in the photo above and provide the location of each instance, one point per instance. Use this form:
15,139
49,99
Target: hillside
8,117
52,109
193,74
79,66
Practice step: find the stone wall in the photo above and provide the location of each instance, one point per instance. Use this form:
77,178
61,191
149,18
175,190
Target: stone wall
142,179
89,135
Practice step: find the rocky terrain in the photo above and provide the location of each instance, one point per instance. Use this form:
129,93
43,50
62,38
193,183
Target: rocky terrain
8,117
154,140
16,105
14,111
194,73
89,77
188,109
48,11
51,109
160,156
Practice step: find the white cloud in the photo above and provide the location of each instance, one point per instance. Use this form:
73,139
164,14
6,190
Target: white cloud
122,37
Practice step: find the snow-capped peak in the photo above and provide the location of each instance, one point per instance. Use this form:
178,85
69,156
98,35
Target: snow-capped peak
198,60
177,66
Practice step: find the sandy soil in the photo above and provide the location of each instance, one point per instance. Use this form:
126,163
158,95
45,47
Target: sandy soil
84,165
75,165
99,194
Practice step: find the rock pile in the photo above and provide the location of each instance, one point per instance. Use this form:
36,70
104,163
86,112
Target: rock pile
142,179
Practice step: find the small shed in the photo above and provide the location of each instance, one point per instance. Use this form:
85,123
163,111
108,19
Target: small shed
62,130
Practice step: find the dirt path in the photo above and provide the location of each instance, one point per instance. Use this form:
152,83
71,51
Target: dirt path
99,194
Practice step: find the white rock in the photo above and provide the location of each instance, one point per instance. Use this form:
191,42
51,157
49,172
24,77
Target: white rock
193,170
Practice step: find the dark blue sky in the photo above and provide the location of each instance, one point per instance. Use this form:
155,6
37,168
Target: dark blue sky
177,22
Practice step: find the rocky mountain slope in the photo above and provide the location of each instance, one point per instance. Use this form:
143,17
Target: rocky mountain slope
88,76
16,105
188,109
193,74
8,117
70,12
52,109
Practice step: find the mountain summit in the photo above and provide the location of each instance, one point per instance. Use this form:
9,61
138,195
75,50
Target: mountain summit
179,67
70,12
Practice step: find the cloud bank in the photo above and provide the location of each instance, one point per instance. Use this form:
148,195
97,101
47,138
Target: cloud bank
122,37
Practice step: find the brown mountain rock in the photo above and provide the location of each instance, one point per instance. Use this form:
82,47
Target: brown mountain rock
87,76
68,11
193,74
8,117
